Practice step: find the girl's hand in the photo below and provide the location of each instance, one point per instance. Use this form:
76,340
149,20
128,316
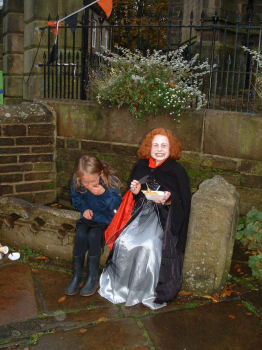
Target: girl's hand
165,199
97,190
88,214
135,187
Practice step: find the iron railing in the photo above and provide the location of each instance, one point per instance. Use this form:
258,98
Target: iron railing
230,84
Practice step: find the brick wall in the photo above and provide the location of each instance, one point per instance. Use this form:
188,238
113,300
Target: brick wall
27,153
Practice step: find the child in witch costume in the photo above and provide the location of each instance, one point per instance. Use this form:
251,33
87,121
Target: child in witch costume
148,237
95,193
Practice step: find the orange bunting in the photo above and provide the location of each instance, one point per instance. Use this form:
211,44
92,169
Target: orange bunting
106,6
53,25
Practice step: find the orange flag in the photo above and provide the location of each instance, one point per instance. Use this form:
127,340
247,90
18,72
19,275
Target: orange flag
106,5
53,25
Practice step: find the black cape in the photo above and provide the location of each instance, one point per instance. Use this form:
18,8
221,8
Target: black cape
174,219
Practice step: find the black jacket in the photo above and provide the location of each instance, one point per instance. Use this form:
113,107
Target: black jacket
174,218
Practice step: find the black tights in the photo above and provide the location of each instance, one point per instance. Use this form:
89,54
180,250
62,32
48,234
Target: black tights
89,236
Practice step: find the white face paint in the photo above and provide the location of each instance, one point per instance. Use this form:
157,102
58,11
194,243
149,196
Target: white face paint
160,149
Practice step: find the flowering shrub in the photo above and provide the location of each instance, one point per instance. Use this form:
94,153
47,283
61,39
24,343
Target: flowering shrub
150,84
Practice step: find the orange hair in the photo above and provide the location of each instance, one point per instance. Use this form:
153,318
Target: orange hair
144,151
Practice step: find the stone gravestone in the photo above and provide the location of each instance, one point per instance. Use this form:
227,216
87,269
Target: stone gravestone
212,227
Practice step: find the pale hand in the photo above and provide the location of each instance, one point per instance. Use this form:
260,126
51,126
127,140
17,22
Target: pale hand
135,187
88,214
97,190
164,200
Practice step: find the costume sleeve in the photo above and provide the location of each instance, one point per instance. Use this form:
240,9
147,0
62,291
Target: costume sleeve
76,198
184,194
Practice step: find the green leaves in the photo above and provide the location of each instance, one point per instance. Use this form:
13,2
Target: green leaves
249,233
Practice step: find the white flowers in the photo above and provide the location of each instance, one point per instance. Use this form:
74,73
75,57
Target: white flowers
152,83
257,57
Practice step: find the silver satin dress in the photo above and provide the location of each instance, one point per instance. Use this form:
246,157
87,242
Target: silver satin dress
132,274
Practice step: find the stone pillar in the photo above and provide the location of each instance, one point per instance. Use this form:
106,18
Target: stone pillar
36,14
13,49
27,152
212,226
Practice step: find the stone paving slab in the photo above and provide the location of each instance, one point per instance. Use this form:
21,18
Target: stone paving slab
50,293
116,335
220,326
76,322
17,301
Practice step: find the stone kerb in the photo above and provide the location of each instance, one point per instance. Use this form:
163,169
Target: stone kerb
44,229
212,225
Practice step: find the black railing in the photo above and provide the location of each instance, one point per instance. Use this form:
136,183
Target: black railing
230,84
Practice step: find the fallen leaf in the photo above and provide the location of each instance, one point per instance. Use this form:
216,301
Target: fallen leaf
249,313
236,266
232,317
184,293
239,270
35,271
227,291
207,297
41,258
62,299
102,319
215,298
82,330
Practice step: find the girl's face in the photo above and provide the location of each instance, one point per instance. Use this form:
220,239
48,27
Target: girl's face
89,181
160,149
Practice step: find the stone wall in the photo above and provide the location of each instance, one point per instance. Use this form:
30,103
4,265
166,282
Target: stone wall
37,161
214,143
27,153
13,50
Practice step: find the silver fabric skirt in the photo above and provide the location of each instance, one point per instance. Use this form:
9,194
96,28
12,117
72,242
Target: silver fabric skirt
132,274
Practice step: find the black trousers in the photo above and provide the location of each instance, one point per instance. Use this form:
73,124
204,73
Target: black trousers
89,237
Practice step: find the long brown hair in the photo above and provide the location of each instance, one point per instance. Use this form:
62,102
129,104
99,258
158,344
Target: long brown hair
144,151
92,165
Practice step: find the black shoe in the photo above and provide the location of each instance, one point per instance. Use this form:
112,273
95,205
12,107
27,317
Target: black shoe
91,284
73,287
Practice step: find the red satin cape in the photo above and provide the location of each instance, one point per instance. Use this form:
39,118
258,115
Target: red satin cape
120,219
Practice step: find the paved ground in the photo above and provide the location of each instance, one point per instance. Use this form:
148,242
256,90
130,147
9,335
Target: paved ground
35,314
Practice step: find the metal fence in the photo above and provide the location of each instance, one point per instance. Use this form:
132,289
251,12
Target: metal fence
230,84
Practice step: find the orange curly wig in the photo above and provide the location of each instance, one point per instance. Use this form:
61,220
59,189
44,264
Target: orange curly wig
144,151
